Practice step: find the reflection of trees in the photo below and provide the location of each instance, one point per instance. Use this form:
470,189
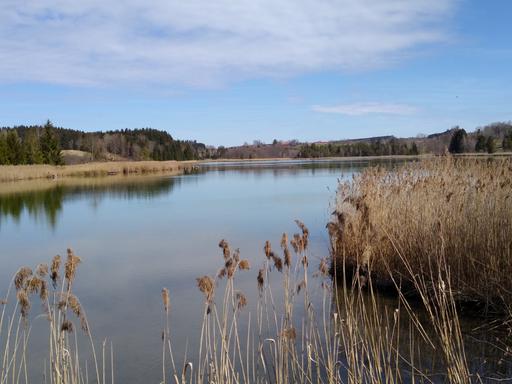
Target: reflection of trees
296,167
48,202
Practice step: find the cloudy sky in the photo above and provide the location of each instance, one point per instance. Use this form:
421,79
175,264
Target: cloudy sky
225,72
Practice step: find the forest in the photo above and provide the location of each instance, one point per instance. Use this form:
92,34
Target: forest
45,145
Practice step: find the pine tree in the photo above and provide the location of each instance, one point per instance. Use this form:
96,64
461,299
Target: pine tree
457,143
32,148
50,146
4,158
14,149
481,143
490,145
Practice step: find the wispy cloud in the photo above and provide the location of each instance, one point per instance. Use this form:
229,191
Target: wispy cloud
358,109
202,42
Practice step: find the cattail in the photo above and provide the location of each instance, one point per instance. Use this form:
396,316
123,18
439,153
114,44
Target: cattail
206,286
166,300
70,266
267,249
244,265
21,277
54,270
260,279
305,261
278,263
241,300
295,246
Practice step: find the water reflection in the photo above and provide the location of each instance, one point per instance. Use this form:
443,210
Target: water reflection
46,200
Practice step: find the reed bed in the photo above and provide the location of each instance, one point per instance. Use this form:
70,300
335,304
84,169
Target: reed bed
31,172
306,326
445,214
340,334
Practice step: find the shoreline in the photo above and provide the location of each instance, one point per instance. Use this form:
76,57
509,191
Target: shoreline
16,173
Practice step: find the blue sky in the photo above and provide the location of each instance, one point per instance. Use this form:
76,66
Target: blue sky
227,72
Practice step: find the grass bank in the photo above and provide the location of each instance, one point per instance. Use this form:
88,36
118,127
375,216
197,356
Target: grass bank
453,214
32,172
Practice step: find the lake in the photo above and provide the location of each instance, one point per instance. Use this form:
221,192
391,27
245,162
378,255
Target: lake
136,235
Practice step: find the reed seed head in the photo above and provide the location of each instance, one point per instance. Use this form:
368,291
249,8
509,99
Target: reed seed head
54,270
289,333
267,249
21,277
244,265
23,302
70,266
241,300
284,240
166,299
206,286
67,326
261,279
42,270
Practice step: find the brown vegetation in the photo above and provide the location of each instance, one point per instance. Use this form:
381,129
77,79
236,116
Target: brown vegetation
31,172
449,213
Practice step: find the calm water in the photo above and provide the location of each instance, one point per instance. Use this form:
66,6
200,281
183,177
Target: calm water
138,235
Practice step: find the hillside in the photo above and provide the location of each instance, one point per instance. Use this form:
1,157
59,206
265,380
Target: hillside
26,145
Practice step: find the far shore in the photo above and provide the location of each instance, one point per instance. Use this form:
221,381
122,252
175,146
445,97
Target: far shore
10,173
15,173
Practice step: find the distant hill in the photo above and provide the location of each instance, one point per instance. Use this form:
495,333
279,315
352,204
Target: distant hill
497,136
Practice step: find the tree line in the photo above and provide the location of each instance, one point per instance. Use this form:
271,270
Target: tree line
490,139
392,146
43,145
36,146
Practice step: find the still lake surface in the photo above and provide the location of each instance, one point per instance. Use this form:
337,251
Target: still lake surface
137,235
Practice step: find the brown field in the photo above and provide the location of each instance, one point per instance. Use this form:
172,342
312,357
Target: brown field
31,172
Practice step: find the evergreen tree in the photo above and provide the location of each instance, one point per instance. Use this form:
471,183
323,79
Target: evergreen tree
490,145
32,148
414,149
4,157
481,143
50,146
507,142
457,142
14,149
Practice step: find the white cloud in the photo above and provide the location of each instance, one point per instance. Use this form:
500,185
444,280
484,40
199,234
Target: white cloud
359,109
206,41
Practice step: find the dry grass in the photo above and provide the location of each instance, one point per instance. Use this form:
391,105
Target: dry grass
52,288
31,172
449,214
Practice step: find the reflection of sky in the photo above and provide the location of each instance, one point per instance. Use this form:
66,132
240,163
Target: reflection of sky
133,245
